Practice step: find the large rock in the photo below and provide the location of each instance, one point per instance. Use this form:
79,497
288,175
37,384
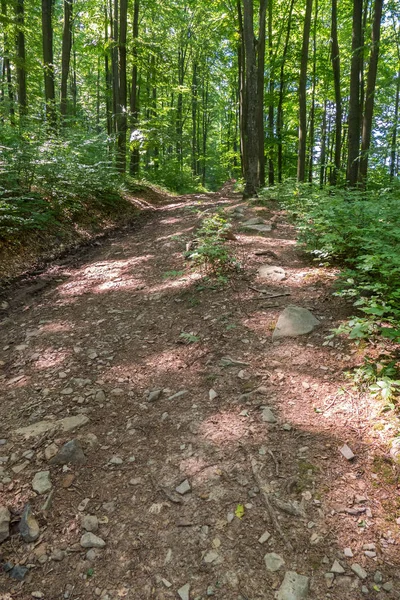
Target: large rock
28,526
63,425
294,321
70,453
271,273
273,562
294,587
259,228
41,482
254,221
4,523
89,540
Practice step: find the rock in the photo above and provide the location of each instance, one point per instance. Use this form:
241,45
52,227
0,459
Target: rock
89,540
92,554
154,395
347,452
294,587
90,523
183,488
370,553
348,553
115,460
388,586
41,482
4,523
100,396
18,572
267,415
65,425
37,594
20,467
212,394
271,273
262,228
68,480
329,578
359,571
294,321
184,591
378,577
211,556
364,590
178,395
227,361
264,538
273,562
337,568
70,453
50,451
254,221
28,526
210,591
57,555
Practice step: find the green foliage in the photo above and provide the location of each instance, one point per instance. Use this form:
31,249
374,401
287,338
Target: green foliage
170,274
188,338
381,379
211,251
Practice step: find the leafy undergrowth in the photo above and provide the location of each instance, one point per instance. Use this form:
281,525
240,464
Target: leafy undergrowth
360,231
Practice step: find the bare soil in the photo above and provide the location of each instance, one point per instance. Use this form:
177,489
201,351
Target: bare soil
98,330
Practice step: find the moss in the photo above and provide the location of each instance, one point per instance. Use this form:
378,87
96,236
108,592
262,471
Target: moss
384,468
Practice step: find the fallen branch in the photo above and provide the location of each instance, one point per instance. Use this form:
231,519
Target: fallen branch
271,295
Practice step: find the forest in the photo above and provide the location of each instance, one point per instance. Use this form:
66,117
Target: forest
295,100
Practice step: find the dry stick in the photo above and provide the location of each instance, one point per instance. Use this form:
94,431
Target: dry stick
271,295
275,461
270,510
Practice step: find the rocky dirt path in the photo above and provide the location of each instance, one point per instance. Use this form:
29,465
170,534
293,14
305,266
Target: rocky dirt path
142,464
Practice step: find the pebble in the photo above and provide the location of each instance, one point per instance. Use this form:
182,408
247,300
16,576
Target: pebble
89,540
388,586
18,572
100,396
337,568
369,547
273,562
37,594
70,453
212,394
264,538
294,587
378,577
184,591
267,415
211,556
28,526
329,578
348,552
359,571
230,516
92,554
4,523
41,482
370,553
58,555
347,452
154,395
90,523
115,460
184,487
50,451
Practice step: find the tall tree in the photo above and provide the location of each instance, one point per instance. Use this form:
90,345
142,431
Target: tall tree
251,135
21,57
279,116
335,58
370,92
354,102
301,161
66,54
271,87
260,88
122,88
48,62
134,105
7,79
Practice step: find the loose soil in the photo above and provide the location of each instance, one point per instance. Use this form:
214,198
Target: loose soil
98,330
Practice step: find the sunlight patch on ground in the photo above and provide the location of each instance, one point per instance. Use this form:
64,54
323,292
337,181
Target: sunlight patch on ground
50,358
224,428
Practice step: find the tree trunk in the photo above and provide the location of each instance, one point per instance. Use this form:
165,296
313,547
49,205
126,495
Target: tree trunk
108,75
241,86
354,102
122,92
48,63
335,58
271,172
114,61
7,68
301,162
21,58
66,55
312,111
251,136
279,116
393,151
194,118
260,88
135,154
323,148
370,93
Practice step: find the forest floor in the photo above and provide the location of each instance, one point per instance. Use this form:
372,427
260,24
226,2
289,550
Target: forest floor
193,493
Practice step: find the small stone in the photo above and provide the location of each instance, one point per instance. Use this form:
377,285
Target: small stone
271,273
154,395
230,516
18,572
370,553
4,523
165,582
57,555
41,483
37,594
115,460
210,556
273,562
89,540
90,523
294,321
178,395
212,394
92,554
184,591
20,467
100,396
68,480
294,587
388,586
378,577
364,590
359,571
267,415
70,453
329,578
337,568
264,538
347,452
370,546
28,526
348,553
286,427
184,487
50,451
210,591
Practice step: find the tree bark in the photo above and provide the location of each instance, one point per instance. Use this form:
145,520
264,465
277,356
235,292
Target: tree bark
279,116
393,150
122,85
194,118
108,74
260,88
271,86
66,55
48,62
241,86
21,58
370,93
312,111
354,102
323,148
7,69
135,154
301,162
335,58
251,136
